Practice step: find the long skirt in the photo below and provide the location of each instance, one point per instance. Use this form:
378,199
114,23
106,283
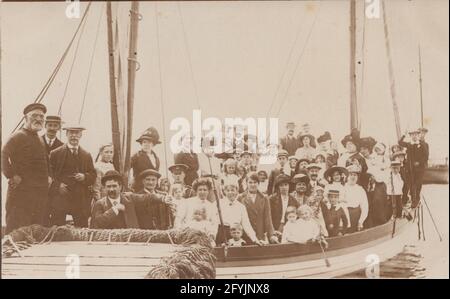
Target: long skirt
380,205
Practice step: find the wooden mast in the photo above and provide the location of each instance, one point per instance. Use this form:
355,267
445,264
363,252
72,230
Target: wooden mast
118,161
420,88
132,66
353,99
391,73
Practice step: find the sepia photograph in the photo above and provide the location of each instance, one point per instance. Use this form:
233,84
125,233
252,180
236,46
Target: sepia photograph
227,140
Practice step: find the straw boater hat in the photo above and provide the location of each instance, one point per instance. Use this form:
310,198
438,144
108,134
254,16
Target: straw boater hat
150,134
75,127
34,106
149,172
414,131
53,119
354,169
396,163
112,174
300,177
329,172
333,192
293,158
396,154
313,165
282,153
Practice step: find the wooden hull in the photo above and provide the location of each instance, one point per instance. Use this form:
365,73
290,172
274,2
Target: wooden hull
436,175
346,254
134,260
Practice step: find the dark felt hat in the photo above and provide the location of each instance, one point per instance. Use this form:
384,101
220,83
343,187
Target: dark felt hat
34,106
150,134
282,178
329,172
324,137
112,174
300,177
147,173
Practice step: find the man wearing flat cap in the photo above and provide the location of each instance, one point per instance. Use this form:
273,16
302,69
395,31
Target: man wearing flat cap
52,127
152,214
25,165
73,173
416,162
118,209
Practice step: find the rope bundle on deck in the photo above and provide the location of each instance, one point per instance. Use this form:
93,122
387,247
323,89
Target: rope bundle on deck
197,261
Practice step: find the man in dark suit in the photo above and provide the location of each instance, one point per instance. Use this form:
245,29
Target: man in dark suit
152,214
280,200
281,168
118,210
258,209
416,161
146,158
25,165
290,143
73,173
52,127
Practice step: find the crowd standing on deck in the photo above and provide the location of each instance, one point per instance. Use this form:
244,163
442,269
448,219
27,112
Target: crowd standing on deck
312,191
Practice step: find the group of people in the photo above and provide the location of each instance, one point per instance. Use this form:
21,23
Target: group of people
310,192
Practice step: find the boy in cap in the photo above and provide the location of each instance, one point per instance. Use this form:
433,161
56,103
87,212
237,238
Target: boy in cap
334,214
25,165
73,175
52,127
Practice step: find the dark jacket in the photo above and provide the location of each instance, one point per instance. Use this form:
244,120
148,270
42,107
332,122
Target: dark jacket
56,143
103,216
191,160
290,144
276,209
24,155
258,213
85,166
140,162
272,176
153,214
332,218
416,154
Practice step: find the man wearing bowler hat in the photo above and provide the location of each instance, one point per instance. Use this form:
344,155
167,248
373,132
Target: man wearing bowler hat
117,209
73,174
152,214
25,165
52,127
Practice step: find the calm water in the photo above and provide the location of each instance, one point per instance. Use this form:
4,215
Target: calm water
423,259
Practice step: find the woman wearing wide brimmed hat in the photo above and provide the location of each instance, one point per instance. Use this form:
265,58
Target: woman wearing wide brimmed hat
307,147
280,200
302,188
145,158
336,176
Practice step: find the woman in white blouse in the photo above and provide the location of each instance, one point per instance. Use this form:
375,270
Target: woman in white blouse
355,199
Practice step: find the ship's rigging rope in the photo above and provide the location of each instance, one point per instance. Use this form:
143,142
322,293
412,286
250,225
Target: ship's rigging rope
91,62
289,58
297,64
75,55
195,260
55,71
186,45
161,89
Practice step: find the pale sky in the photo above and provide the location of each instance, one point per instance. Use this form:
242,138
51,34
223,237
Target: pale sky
238,54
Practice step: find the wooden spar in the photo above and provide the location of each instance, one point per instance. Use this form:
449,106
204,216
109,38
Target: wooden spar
113,95
420,88
391,73
353,100
132,65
